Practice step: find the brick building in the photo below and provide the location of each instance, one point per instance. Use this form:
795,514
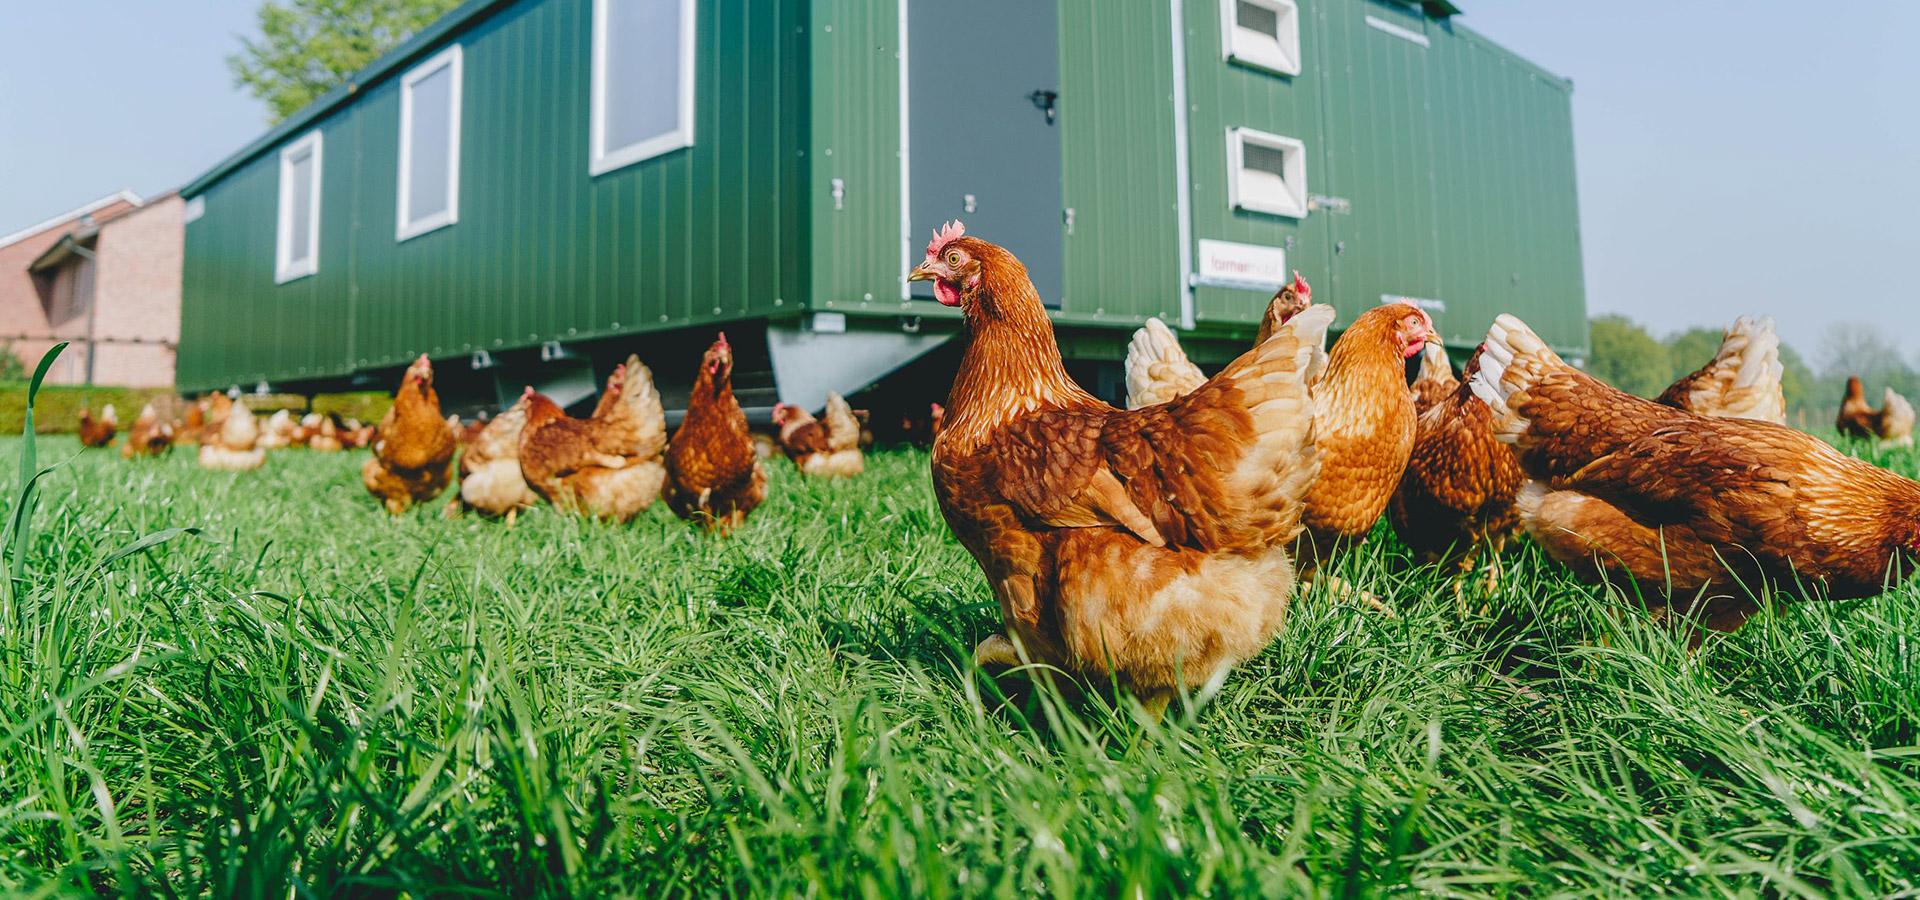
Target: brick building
105,276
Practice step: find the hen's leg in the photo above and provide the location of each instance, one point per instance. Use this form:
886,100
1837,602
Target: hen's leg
1155,703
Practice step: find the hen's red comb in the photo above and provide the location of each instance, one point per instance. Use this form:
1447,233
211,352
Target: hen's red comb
952,231
527,393
1300,285
721,341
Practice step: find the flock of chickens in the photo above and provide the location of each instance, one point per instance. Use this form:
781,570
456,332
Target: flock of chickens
229,435
1158,546
612,464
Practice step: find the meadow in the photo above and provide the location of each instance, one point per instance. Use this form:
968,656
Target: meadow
260,685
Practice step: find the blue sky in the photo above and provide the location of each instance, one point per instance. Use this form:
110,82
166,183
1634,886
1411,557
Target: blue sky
1735,155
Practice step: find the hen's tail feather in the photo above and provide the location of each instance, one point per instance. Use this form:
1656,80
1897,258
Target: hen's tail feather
1514,358
1897,420
1274,379
639,394
1752,353
843,430
1158,369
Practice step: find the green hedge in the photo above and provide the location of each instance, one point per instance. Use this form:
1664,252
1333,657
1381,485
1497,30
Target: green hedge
59,407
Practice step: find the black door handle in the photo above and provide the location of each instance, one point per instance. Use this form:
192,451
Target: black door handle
1043,101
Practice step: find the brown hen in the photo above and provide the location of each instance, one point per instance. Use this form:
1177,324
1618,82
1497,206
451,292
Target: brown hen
1457,495
1699,514
1148,545
149,436
713,476
98,432
1890,425
490,477
1364,425
413,453
827,447
607,465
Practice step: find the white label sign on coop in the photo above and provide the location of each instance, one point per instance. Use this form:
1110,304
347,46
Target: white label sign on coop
1248,266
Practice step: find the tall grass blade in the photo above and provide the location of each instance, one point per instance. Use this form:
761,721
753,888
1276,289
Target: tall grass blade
17,521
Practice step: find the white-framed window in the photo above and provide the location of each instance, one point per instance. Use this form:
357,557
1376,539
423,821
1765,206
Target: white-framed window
1266,172
430,145
642,81
297,247
1264,34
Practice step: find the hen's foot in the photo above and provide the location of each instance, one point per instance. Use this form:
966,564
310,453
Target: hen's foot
1342,590
996,652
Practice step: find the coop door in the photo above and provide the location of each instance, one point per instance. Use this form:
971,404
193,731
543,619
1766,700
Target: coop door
984,128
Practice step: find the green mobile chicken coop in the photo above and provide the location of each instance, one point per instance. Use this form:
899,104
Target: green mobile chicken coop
528,190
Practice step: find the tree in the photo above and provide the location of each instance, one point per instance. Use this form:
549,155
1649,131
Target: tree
1854,348
1688,350
308,47
1627,357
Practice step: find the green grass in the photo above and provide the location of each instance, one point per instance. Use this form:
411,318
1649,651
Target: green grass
308,697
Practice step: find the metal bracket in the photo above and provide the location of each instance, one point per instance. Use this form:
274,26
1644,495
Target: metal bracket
553,350
481,360
838,188
1069,218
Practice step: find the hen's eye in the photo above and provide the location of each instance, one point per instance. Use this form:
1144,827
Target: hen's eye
953,257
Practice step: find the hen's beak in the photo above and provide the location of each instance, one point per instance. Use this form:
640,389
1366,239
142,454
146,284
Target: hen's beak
923,272
1433,337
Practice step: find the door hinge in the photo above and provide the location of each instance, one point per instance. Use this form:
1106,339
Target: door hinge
1069,217
838,188
970,203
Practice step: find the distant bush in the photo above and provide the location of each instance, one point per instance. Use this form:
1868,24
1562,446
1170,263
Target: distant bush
11,368
366,406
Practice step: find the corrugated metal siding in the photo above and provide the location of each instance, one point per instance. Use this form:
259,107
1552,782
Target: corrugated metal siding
855,119
1225,95
1116,116
1116,123
542,251
1510,127
1457,159
1378,145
